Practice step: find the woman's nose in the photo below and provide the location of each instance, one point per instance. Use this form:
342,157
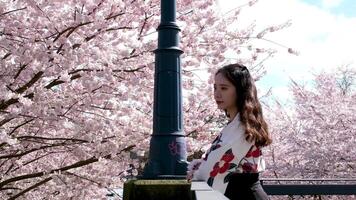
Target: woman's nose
217,94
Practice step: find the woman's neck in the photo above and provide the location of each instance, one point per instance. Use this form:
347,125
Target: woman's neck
232,113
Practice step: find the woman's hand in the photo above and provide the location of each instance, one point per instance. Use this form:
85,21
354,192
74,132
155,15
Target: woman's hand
189,176
192,167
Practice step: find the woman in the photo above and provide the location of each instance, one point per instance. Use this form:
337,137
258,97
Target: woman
234,160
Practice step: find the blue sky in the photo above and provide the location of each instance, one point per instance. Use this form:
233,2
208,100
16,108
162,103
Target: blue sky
323,31
342,7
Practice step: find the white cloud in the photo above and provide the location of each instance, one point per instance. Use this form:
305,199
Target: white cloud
324,40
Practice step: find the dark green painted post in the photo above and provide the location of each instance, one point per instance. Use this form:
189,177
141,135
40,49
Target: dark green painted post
167,158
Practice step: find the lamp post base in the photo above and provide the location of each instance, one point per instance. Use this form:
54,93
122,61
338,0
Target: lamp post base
167,158
157,190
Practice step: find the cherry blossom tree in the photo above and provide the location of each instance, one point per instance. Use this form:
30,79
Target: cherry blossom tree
76,84
316,138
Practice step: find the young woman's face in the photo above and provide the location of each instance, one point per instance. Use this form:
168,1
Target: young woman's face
224,93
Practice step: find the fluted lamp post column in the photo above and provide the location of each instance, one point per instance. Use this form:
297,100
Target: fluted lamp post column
167,157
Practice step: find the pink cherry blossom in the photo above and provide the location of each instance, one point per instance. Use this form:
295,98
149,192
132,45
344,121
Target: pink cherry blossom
76,85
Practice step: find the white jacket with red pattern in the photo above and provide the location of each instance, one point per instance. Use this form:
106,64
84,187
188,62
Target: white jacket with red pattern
229,153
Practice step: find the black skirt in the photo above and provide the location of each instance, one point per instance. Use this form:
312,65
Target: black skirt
245,186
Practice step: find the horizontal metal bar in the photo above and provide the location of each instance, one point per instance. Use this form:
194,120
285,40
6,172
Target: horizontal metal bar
308,179
305,189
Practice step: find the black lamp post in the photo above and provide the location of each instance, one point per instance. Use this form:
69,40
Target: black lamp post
167,157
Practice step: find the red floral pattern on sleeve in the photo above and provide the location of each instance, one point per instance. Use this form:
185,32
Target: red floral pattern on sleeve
249,164
254,152
222,166
248,167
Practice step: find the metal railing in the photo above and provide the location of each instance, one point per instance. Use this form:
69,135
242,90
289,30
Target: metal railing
288,186
276,186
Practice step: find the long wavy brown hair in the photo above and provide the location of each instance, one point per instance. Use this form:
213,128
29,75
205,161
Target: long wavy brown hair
248,105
